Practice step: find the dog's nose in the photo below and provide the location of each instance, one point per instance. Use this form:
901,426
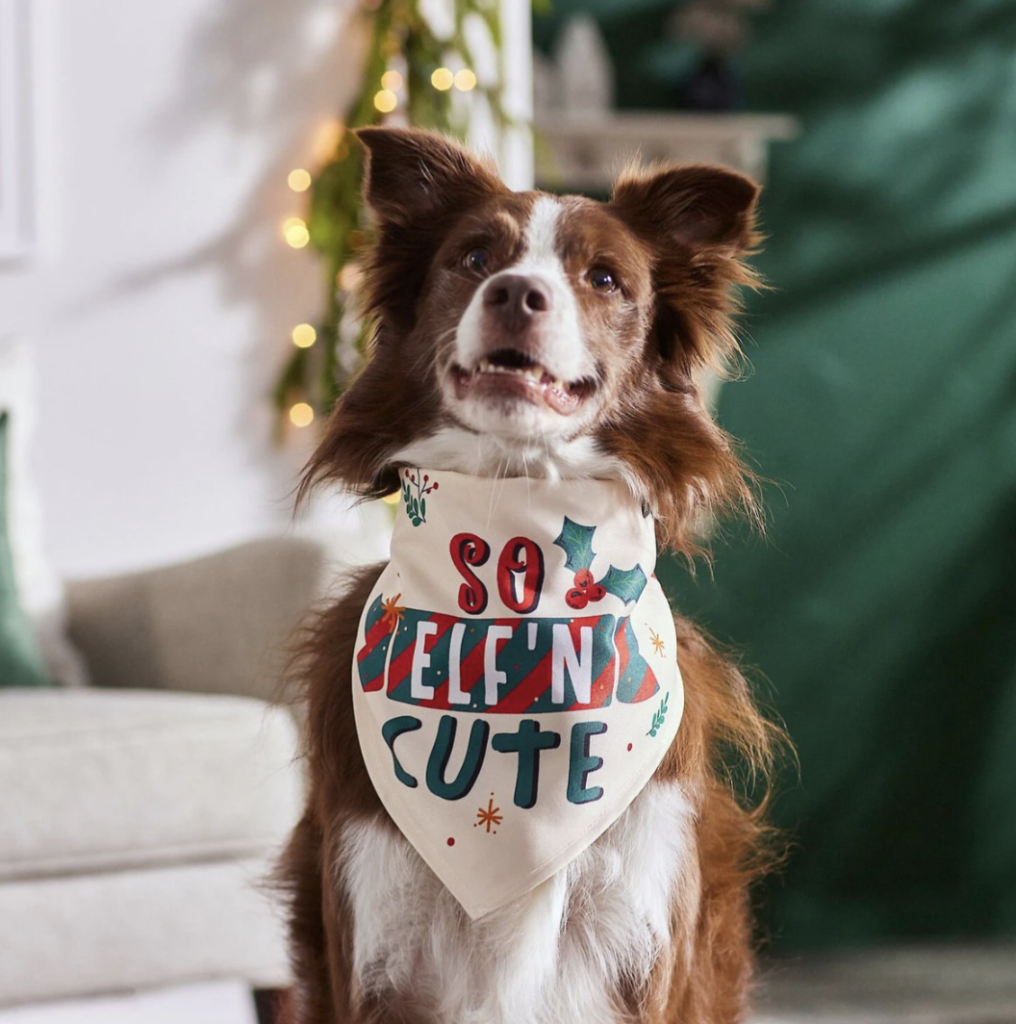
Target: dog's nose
516,296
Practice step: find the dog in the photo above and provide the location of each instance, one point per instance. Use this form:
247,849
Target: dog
528,340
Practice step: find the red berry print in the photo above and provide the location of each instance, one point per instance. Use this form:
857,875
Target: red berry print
451,841
576,598
583,579
597,592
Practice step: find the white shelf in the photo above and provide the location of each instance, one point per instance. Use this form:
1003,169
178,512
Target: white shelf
585,151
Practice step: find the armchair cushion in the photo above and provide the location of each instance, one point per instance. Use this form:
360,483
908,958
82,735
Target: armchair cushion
20,661
99,780
218,624
39,589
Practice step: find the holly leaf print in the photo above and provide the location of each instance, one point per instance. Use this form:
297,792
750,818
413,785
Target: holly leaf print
577,542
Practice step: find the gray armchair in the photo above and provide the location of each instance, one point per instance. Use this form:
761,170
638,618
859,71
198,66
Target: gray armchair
138,817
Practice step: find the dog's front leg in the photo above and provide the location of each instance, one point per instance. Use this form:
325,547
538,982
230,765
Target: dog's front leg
354,999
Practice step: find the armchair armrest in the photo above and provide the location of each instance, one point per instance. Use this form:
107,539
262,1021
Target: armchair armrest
218,624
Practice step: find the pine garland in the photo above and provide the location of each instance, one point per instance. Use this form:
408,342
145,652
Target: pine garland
401,39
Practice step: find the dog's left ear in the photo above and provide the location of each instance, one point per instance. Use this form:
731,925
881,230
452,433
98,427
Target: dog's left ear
696,207
413,175
700,223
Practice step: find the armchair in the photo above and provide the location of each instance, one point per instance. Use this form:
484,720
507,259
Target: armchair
139,816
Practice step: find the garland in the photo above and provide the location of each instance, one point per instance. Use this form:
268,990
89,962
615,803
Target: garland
408,74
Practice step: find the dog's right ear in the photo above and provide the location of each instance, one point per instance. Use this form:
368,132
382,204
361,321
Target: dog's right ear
414,174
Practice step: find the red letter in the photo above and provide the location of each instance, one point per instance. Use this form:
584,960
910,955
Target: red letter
467,549
520,555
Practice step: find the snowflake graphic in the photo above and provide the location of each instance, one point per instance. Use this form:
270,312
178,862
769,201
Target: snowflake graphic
392,612
657,642
488,816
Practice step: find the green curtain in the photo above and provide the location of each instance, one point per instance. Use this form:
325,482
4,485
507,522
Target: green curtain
882,405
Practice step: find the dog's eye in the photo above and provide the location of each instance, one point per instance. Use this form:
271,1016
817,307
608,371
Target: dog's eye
476,260
602,279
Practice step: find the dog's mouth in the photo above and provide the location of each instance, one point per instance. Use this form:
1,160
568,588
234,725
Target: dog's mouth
509,373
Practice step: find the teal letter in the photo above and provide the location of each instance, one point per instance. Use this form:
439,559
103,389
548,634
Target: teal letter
391,731
581,765
442,751
527,743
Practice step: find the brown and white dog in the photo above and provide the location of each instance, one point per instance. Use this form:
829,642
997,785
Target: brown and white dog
525,334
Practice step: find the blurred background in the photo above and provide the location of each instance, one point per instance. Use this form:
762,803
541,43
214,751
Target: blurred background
179,239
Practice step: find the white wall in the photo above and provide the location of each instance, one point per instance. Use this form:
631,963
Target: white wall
160,308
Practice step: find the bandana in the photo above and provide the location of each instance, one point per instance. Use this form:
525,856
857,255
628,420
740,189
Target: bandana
515,681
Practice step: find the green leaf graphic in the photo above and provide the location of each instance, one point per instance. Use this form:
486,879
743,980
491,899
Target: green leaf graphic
626,584
577,542
659,716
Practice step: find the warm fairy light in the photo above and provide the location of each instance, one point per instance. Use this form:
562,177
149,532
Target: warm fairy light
349,277
391,80
295,232
442,79
301,415
299,180
304,335
465,80
392,499
386,101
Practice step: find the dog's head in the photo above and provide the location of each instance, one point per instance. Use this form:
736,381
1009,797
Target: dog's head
529,333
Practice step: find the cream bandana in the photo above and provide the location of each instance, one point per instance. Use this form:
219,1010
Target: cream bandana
515,680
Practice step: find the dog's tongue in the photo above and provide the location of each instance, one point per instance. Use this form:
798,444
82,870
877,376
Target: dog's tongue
559,400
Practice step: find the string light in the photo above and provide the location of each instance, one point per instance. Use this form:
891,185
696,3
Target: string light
304,335
386,101
301,415
465,80
299,180
391,80
442,79
295,232
392,499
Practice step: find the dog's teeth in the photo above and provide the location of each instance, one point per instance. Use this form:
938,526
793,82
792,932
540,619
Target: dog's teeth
538,374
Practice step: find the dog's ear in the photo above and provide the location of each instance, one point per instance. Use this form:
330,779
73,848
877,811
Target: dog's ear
700,224
414,174
696,207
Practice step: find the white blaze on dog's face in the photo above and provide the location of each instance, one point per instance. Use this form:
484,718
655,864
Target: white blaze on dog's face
522,365
529,333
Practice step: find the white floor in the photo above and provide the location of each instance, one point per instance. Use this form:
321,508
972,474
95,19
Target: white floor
220,1002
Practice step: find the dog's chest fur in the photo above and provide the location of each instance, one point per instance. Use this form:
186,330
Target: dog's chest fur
560,953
